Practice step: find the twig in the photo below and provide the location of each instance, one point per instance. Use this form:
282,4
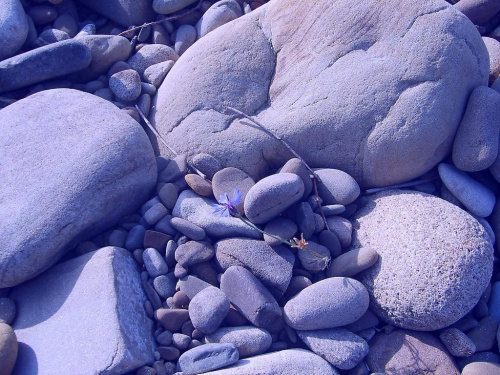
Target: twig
316,196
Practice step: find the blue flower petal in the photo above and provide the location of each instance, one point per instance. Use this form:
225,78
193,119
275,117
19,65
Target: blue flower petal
236,197
220,210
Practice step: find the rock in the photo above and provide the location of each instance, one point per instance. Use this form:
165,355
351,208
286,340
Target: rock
342,348
44,63
481,368
125,13
331,241
297,284
193,252
271,265
328,303
184,38
494,301
290,361
425,278
478,11
475,147
67,23
168,195
257,304
103,284
304,217
135,238
154,263
367,321
314,257
181,341
457,342
188,229
476,197
493,47
279,227
170,6
207,357
336,186
199,185
208,309
396,353
126,85
156,73
168,353
249,340
305,94
228,179
165,285
154,214
484,335
272,195
8,348
296,166
192,285
43,14
352,262
149,55
50,36
172,319
342,228
13,29
89,174
156,240
7,310
217,15
207,164
479,357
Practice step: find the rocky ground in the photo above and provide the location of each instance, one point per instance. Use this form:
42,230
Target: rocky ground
222,187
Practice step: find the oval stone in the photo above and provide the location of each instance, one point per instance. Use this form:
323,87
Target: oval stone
248,340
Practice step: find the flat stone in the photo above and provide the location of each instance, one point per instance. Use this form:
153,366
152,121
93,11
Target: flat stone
424,244
249,340
352,262
103,284
304,217
125,13
168,195
217,15
336,186
199,185
172,319
88,175
44,63
328,303
208,309
192,285
207,357
314,258
228,179
13,29
8,348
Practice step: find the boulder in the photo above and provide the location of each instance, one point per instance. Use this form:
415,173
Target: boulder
72,165
348,86
124,12
13,27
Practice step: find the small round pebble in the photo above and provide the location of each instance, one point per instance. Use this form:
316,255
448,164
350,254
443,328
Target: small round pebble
342,229
165,285
208,309
155,264
193,252
228,179
279,227
181,300
249,341
126,85
207,357
8,348
172,319
181,341
336,186
165,338
168,353
206,164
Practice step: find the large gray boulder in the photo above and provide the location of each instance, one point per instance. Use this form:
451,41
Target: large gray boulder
435,260
13,27
72,165
350,86
84,316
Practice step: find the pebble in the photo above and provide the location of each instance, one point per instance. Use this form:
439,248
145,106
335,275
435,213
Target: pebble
208,309
188,229
481,368
13,27
151,294
192,285
262,310
206,164
148,88
342,348
168,353
177,168
478,11
181,300
304,217
156,73
314,257
493,47
296,166
50,36
126,85
156,240
205,271
475,147
328,303
331,241
484,335
149,55
193,252
297,283
135,238
172,319
332,209
170,6
180,271
279,227
66,22
168,195
352,262
218,14
494,301
342,228
207,357
8,348
336,186
165,338
199,185
184,38
457,342
249,340
118,237
155,213
165,285
155,264
42,14
144,103
479,357
7,310
181,341
319,223
228,179
105,94
271,196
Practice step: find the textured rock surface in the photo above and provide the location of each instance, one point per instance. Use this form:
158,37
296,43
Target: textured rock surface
84,315
13,27
435,260
89,165
377,96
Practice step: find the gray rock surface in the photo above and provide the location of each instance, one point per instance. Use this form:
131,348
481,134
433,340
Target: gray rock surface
8,348
126,85
151,54
316,81
13,27
336,186
170,6
84,314
249,340
435,260
91,164
124,12
481,368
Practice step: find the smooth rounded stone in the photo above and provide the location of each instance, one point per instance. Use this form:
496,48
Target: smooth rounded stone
342,228
156,240
165,338
66,22
118,237
126,85
168,195
332,209
228,179
342,348
168,353
493,48
117,67
199,185
207,164
484,335
193,252
314,257
188,229
296,166
481,368
336,186
192,285
155,213
208,309
7,310
181,341
104,151
395,353
218,14
475,147
13,27
184,38
153,297
475,196
156,73
42,14
181,300
151,54
279,227
297,284
478,357
206,271
148,89
281,362
411,232
88,29
304,217
144,103
457,342
172,319
352,262
331,241
44,63
170,6
207,357
272,195
256,304
478,11
8,348
165,285
176,168
50,36
249,340
328,303
105,94
154,263
271,265
125,13
135,238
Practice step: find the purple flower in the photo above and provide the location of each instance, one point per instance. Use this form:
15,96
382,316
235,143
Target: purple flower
227,207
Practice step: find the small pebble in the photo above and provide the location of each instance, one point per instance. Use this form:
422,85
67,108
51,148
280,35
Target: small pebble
484,335
199,185
7,310
176,168
207,357
187,228
153,261
181,300
457,343
352,262
165,285
168,353
181,341
155,213
193,252
208,309
172,319
126,85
